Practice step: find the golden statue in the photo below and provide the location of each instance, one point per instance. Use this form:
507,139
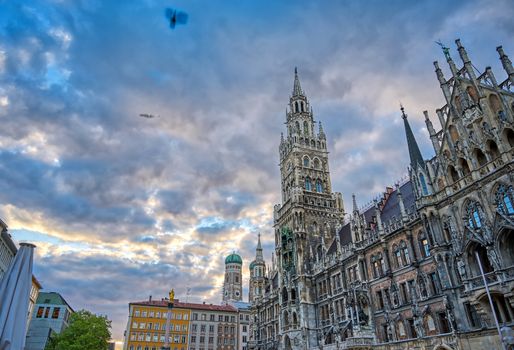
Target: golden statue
172,295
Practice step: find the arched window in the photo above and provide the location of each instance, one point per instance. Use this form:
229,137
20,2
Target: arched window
303,106
308,184
422,287
377,263
297,125
405,253
424,246
481,158
454,134
305,128
401,330
319,186
397,256
293,295
509,135
493,150
464,165
474,215
423,184
296,106
472,92
458,104
429,324
504,198
316,163
453,173
306,161
496,107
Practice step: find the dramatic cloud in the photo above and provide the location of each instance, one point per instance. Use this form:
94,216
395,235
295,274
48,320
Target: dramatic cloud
122,207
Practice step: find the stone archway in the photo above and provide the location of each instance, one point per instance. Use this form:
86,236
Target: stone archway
506,247
472,262
287,343
443,347
503,309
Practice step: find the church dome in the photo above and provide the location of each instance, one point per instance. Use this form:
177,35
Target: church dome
233,259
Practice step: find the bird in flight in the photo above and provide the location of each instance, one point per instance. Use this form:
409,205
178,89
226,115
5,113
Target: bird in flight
149,116
175,17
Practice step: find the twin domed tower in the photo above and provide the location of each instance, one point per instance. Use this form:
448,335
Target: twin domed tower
233,283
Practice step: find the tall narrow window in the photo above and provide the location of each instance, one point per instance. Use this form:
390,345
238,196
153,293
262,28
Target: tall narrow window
424,246
475,215
423,184
504,199
405,253
319,186
398,257
308,184
472,314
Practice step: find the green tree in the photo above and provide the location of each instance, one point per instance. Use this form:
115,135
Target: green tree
86,331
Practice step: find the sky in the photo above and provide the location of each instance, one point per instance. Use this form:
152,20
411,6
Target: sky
123,207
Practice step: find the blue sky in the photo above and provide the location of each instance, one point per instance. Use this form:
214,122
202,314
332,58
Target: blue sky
122,207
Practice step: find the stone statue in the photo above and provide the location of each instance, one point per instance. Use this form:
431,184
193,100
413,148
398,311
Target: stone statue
493,257
363,318
418,324
462,268
449,313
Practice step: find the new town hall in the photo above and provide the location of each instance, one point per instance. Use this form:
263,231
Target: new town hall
401,273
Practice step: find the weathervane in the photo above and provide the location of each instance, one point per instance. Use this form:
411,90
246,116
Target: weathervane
446,50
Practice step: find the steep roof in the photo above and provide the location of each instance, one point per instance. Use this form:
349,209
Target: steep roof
390,207
416,159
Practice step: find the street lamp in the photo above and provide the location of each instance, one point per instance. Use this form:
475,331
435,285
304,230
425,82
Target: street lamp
166,345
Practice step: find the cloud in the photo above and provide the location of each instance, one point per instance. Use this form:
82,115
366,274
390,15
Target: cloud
116,201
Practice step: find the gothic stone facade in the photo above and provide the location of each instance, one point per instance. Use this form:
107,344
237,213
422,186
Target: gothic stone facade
403,272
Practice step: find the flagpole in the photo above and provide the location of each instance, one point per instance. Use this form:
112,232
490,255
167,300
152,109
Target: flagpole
490,300
168,321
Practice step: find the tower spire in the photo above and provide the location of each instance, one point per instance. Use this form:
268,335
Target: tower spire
258,250
414,153
506,63
321,133
355,207
297,88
